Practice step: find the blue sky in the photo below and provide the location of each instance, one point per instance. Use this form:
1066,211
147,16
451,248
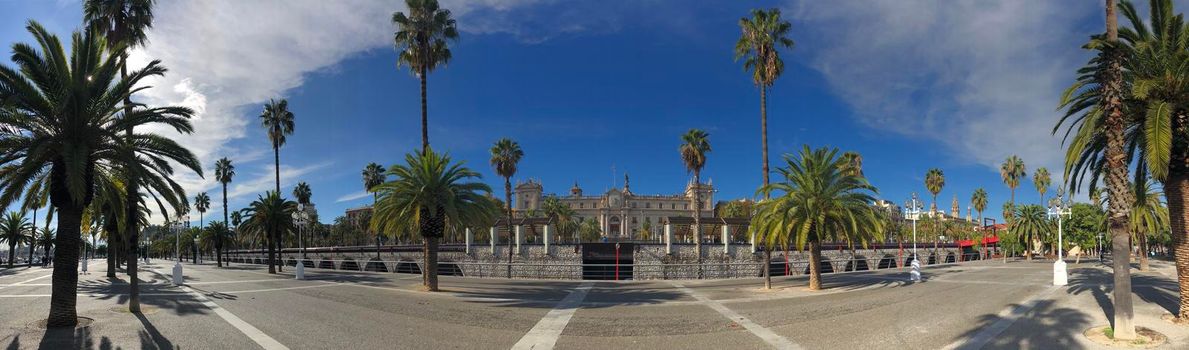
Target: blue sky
586,86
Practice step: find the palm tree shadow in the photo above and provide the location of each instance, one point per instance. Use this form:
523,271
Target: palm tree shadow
69,338
150,335
1100,284
1043,327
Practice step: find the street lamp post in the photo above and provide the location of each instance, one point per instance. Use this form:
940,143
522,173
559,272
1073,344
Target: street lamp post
177,249
912,211
300,217
1059,209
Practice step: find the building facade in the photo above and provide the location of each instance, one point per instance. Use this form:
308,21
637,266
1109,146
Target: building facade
621,213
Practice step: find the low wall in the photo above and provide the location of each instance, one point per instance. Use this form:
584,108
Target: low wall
564,261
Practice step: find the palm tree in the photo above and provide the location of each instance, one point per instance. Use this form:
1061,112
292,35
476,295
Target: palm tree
14,229
1042,180
79,147
1030,221
979,201
430,194
202,203
694,146
1149,216
373,175
216,232
817,200
505,154
271,216
1011,172
277,121
420,39
302,193
46,240
1110,115
224,173
759,44
125,24
934,182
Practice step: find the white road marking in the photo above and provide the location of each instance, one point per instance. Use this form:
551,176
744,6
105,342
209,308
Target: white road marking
544,335
265,341
773,339
1006,318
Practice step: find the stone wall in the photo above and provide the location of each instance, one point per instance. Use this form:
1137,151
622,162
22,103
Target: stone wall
564,261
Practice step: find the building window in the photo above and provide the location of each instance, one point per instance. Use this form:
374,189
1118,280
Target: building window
647,205
581,205
633,204
686,206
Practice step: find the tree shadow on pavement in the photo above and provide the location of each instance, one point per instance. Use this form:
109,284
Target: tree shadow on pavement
68,338
1044,327
1100,284
541,294
151,336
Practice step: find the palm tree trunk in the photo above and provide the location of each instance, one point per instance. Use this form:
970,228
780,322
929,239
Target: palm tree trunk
815,265
64,296
508,204
1143,251
1176,188
424,113
111,259
764,131
272,253
219,237
1117,183
697,221
12,251
276,158
431,263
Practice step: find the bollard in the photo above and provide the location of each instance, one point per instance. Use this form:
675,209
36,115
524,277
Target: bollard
915,274
299,271
177,274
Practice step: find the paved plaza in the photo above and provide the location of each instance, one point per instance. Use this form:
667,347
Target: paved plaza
989,304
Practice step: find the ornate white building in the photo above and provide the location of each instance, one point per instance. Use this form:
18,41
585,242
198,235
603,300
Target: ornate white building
620,212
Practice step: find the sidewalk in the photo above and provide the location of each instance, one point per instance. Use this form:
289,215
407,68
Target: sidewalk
170,317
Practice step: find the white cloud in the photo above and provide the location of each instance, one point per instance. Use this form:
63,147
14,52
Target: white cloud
226,58
352,196
984,78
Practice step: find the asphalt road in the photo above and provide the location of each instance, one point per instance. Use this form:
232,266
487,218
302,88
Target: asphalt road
976,305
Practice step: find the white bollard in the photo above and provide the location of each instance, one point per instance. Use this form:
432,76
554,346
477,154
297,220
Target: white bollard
726,240
668,239
299,270
915,274
177,274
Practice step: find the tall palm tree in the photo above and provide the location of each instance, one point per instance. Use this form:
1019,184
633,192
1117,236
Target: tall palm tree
431,194
1042,180
1011,171
1149,217
1107,112
202,202
14,229
277,121
271,216
818,200
125,24
759,44
373,175
695,144
979,201
505,155
934,182
420,40
224,173
302,193
78,147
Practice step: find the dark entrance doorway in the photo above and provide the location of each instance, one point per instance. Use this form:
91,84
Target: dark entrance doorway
599,263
